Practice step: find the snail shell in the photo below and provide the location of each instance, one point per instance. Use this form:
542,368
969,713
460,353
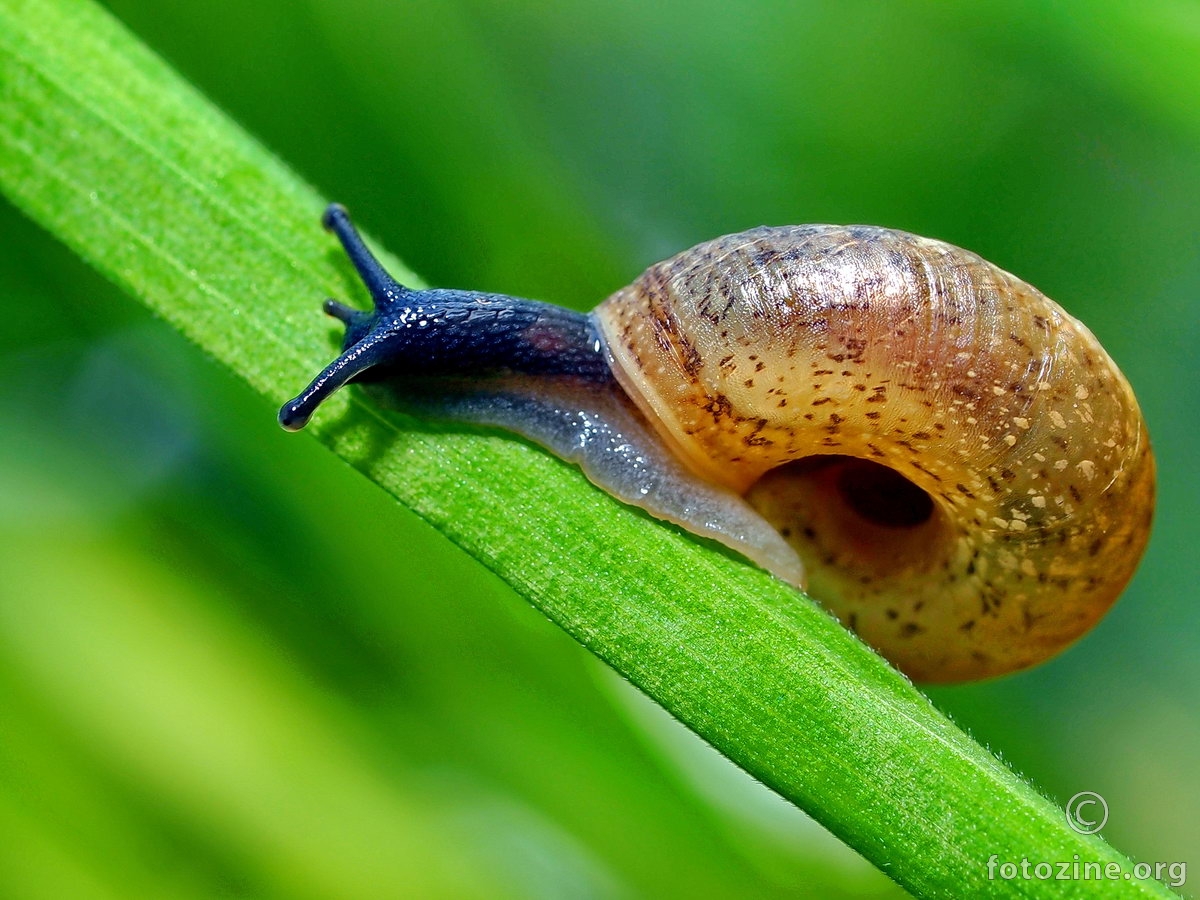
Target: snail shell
807,367
948,461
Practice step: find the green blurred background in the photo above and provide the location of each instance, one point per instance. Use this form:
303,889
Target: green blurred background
230,666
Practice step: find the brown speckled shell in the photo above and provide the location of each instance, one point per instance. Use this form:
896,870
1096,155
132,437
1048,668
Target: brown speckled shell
781,344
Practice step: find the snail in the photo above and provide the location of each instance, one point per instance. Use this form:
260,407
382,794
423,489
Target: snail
948,461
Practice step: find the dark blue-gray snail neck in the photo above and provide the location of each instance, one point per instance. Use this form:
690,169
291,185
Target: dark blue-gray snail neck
443,332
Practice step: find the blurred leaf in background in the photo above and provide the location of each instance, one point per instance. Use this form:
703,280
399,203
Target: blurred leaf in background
230,665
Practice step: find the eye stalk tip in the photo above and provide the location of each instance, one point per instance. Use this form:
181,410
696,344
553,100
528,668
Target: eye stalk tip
341,311
333,212
293,416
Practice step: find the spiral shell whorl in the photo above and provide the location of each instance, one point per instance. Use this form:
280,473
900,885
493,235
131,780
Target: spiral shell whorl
759,349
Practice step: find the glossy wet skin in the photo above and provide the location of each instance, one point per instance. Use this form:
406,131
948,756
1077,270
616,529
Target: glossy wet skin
533,368
961,468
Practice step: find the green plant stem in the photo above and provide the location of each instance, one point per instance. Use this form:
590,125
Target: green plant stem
120,159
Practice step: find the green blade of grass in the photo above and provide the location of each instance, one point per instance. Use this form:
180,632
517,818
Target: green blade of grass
109,150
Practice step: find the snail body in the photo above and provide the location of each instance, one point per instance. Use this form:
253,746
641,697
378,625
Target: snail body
946,459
